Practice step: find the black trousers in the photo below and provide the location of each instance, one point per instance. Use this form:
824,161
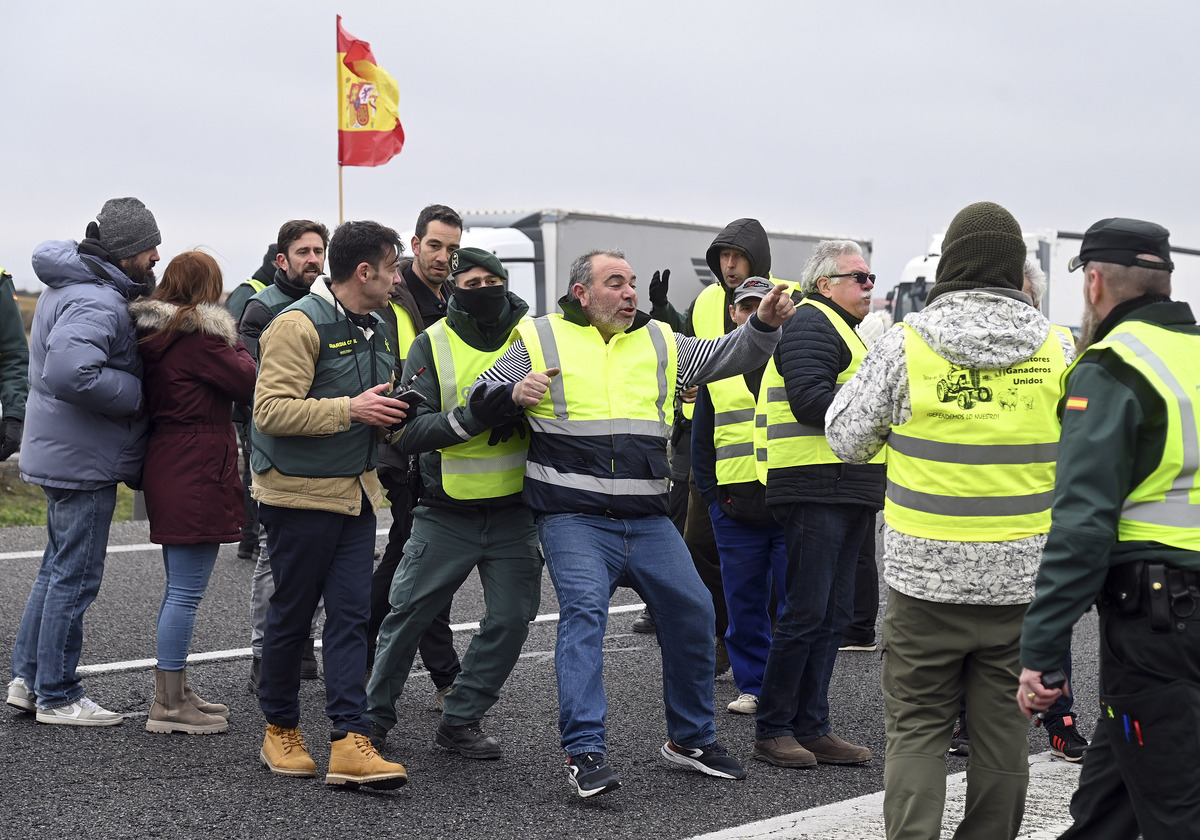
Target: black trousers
1142,770
866,593
437,645
690,515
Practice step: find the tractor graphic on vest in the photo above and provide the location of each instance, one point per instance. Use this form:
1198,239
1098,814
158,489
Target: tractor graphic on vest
962,385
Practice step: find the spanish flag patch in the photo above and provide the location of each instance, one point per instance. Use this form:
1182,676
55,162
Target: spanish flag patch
1077,403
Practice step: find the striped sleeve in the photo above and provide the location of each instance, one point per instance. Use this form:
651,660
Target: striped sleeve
512,366
704,360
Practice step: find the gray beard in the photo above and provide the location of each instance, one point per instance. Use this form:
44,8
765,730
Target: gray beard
1087,330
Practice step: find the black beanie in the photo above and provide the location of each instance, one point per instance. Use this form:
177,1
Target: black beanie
982,248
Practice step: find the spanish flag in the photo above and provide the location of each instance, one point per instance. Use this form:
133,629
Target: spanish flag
369,130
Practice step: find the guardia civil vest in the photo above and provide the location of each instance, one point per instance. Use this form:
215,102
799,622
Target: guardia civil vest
472,469
257,285
406,331
348,363
1165,507
976,461
780,440
599,442
733,430
275,299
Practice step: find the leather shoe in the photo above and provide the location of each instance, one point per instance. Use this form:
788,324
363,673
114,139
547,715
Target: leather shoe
467,740
830,749
783,751
644,623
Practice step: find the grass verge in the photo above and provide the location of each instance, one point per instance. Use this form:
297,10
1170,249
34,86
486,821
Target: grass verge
25,504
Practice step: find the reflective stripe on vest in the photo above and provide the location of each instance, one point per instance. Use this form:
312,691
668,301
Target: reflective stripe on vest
600,432
257,285
472,469
1165,507
976,461
406,331
780,440
733,430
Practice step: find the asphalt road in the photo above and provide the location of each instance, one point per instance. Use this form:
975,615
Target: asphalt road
123,782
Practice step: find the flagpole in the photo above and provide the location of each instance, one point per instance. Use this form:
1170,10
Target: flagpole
341,216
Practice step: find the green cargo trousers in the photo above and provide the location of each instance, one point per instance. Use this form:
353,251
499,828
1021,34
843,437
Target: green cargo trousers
444,547
933,653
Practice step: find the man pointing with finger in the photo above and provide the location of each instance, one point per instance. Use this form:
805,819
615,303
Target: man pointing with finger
596,480
319,411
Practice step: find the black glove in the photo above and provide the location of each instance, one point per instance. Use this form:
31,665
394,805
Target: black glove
492,405
658,287
501,434
10,436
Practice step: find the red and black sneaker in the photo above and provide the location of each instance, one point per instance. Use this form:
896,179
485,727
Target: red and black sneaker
1065,740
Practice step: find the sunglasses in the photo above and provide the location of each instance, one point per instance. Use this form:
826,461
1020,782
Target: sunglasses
860,277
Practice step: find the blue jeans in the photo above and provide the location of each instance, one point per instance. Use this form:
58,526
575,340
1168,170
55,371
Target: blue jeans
315,552
50,637
822,545
188,569
753,558
588,557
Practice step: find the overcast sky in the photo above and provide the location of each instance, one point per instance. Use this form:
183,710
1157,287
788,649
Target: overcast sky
873,119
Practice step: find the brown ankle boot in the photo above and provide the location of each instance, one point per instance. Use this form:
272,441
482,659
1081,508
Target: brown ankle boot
201,704
354,761
171,711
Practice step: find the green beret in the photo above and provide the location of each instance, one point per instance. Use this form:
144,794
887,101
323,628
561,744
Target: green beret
464,259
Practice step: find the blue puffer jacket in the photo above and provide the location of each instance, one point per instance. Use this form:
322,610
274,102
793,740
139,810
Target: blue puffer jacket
85,376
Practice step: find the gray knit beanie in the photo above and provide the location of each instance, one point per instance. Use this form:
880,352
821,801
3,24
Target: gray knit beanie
982,248
126,228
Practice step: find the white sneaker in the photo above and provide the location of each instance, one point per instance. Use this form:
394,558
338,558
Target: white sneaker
83,712
746,704
20,697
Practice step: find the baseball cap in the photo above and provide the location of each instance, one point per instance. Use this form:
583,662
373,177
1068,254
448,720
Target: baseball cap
754,287
1120,241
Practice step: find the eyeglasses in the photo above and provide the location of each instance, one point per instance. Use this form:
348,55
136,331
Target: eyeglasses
860,277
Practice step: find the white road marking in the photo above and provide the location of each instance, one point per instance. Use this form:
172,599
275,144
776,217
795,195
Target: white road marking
1051,783
243,653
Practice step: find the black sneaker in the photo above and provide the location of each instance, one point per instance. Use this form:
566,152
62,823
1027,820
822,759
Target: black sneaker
1065,740
960,741
644,623
591,775
467,740
711,760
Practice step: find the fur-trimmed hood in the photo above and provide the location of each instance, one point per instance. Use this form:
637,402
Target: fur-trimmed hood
151,316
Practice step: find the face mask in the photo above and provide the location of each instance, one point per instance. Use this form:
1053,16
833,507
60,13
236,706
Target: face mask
485,304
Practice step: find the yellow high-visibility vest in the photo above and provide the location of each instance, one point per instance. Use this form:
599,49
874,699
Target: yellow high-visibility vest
600,431
976,462
472,469
780,440
1165,507
406,331
733,430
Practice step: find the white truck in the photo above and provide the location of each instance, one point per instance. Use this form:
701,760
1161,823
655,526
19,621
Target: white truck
1052,249
538,246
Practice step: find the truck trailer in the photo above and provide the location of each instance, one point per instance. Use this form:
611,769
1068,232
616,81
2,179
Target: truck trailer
538,246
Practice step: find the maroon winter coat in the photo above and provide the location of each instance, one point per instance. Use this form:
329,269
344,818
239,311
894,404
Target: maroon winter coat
193,491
